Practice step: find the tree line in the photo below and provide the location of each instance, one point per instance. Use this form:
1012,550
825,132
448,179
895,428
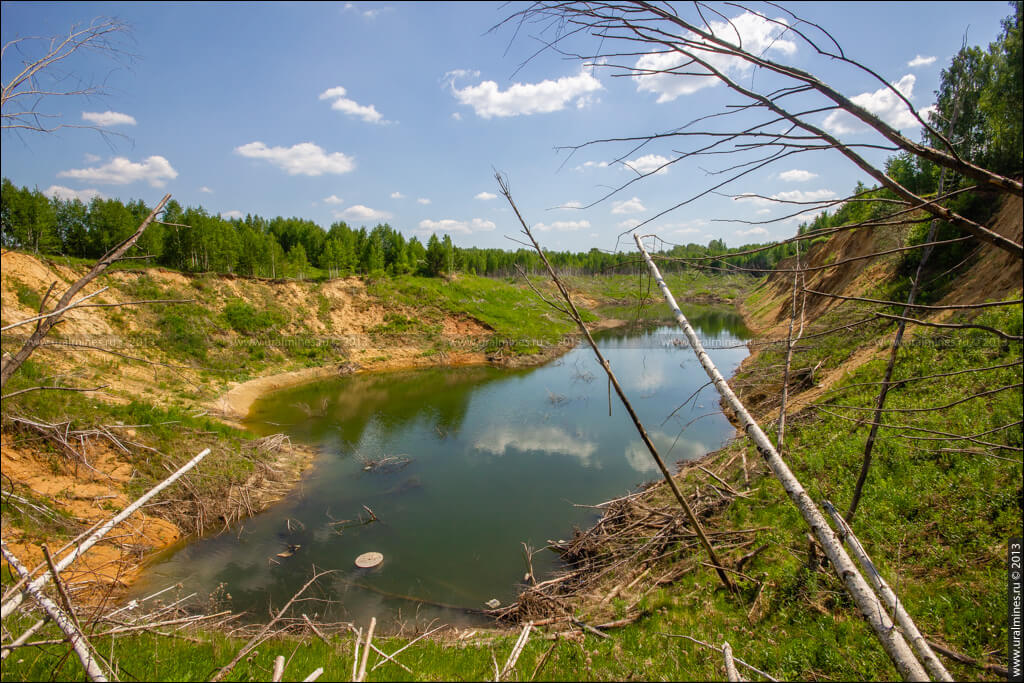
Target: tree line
191,239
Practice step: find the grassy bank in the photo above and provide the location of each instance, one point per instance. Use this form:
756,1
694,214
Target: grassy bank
936,516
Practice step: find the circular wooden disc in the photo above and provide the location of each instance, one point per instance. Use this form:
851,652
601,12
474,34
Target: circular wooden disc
367,560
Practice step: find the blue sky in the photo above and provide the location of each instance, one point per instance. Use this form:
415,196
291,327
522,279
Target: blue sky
398,112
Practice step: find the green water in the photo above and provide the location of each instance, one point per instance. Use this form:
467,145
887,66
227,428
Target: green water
497,457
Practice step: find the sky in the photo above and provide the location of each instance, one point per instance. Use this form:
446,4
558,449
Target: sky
401,112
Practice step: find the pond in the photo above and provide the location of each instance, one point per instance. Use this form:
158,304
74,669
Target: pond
471,462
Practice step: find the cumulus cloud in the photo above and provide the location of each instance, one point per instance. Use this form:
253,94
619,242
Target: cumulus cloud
397,195
457,116
753,232
628,224
797,175
343,104
108,118
756,34
485,196
571,205
359,212
231,214
423,200
66,193
333,199
453,226
155,170
304,158
649,163
205,190
592,164
920,61
524,99
628,206
563,226
883,103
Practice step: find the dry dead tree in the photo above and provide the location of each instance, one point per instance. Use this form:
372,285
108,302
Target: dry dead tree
67,301
931,662
79,643
35,82
572,313
699,48
12,604
867,602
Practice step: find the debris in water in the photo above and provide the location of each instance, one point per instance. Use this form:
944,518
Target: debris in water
291,550
368,560
493,603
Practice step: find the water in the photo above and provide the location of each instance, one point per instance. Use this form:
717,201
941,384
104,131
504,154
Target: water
497,457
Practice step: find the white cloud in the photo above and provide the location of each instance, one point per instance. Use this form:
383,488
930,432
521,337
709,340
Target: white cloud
524,98
628,206
423,200
789,196
304,158
92,158
362,213
592,164
457,116
563,226
753,232
691,227
108,118
341,103
797,175
155,170
397,195
65,193
548,440
485,196
231,214
571,205
628,224
921,61
333,199
649,163
756,35
450,225
371,14
883,103
204,189
805,196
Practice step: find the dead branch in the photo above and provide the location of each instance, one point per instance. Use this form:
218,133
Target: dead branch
867,602
74,635
928,658
258,638
98,535
570,306
10,365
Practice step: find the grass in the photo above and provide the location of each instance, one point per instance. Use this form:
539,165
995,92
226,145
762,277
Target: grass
510,309
936,523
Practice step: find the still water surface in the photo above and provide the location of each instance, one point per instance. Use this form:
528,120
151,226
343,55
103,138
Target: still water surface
496,457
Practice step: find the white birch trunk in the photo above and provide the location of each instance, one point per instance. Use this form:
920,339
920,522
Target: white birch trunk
867,602
98,535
